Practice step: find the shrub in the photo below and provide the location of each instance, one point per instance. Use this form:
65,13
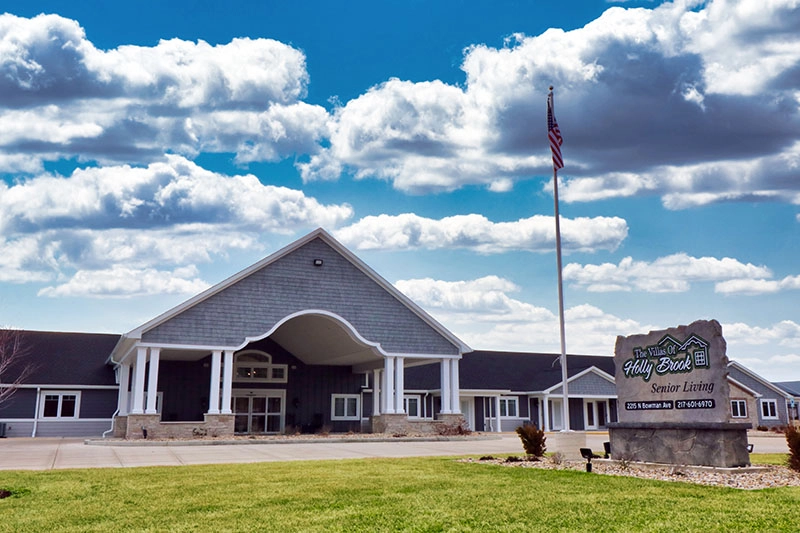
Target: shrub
533,440
793,440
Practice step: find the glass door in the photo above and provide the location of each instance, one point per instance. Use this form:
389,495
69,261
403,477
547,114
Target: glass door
259,413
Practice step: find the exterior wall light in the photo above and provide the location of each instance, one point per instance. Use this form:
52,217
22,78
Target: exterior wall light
317,262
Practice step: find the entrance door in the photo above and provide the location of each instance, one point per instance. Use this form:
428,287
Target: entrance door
259,413
468,412
556,414
595,414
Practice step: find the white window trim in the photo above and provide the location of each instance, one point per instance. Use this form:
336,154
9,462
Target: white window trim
270,366
774,403
505,400
742,403
60,394
356,397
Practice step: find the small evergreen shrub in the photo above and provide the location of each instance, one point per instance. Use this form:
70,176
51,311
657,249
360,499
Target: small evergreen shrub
793,440
533,440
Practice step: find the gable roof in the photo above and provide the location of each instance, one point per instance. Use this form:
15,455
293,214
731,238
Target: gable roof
792,387
515,371
130,338
66,358
752,375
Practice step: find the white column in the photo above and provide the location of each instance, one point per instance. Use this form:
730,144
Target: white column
497,413
227,382
445,385
388,385
152,381
455,391
399,389
124,380
138,385
213,392
376,391
545,414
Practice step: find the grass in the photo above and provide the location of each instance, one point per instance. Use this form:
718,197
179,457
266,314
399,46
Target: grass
418,494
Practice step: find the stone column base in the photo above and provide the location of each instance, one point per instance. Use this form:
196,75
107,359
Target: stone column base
390,423
722,445
138,424
120,426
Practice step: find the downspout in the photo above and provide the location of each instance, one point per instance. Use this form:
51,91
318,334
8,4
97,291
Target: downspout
36,410
112,423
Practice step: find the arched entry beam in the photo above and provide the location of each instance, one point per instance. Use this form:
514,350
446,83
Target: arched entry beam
319,337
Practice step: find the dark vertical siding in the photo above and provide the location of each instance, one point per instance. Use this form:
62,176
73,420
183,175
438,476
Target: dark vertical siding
533,410
576,414
98,403
185,385
22,404
480,413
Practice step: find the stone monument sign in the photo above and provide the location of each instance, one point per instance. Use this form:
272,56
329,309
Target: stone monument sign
674,399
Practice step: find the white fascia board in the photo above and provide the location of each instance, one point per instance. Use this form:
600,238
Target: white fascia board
763,381
333,243
744,387
391,289
211,291
592,369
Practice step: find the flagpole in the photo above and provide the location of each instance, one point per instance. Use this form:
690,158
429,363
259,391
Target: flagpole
564,386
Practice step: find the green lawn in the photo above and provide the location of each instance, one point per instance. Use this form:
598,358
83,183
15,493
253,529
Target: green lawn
421,494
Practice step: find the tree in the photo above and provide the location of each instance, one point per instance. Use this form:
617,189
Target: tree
14,369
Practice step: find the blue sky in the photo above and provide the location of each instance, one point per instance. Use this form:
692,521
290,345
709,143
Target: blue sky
150,150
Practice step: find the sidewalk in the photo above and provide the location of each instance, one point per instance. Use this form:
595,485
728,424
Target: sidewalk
57,453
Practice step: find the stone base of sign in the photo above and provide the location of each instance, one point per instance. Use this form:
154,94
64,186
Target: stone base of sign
721,445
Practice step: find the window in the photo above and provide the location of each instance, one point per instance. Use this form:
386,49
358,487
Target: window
738,409
60,405
411,405
769,409
345,407
508,407
258,366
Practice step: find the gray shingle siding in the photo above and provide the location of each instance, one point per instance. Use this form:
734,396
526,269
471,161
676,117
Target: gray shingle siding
592,385
252,306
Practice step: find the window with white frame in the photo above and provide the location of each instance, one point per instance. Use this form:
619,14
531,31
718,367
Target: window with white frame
258,367
769,409
738,408
411,404
345,407
508,407
60,404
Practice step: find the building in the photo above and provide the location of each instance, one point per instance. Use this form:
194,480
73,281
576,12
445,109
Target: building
312,339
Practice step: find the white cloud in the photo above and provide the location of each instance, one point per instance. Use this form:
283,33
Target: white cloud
163,194
63,97
483,314
92,227
673,273
476,232
120,281
717,78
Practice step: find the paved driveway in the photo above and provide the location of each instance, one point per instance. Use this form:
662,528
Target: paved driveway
48,453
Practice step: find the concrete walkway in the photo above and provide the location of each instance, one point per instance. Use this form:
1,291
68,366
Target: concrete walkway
57,453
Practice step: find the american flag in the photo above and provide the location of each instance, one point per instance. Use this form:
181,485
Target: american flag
554,134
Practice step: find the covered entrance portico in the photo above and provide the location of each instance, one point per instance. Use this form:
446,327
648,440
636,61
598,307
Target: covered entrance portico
309,338
247,386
